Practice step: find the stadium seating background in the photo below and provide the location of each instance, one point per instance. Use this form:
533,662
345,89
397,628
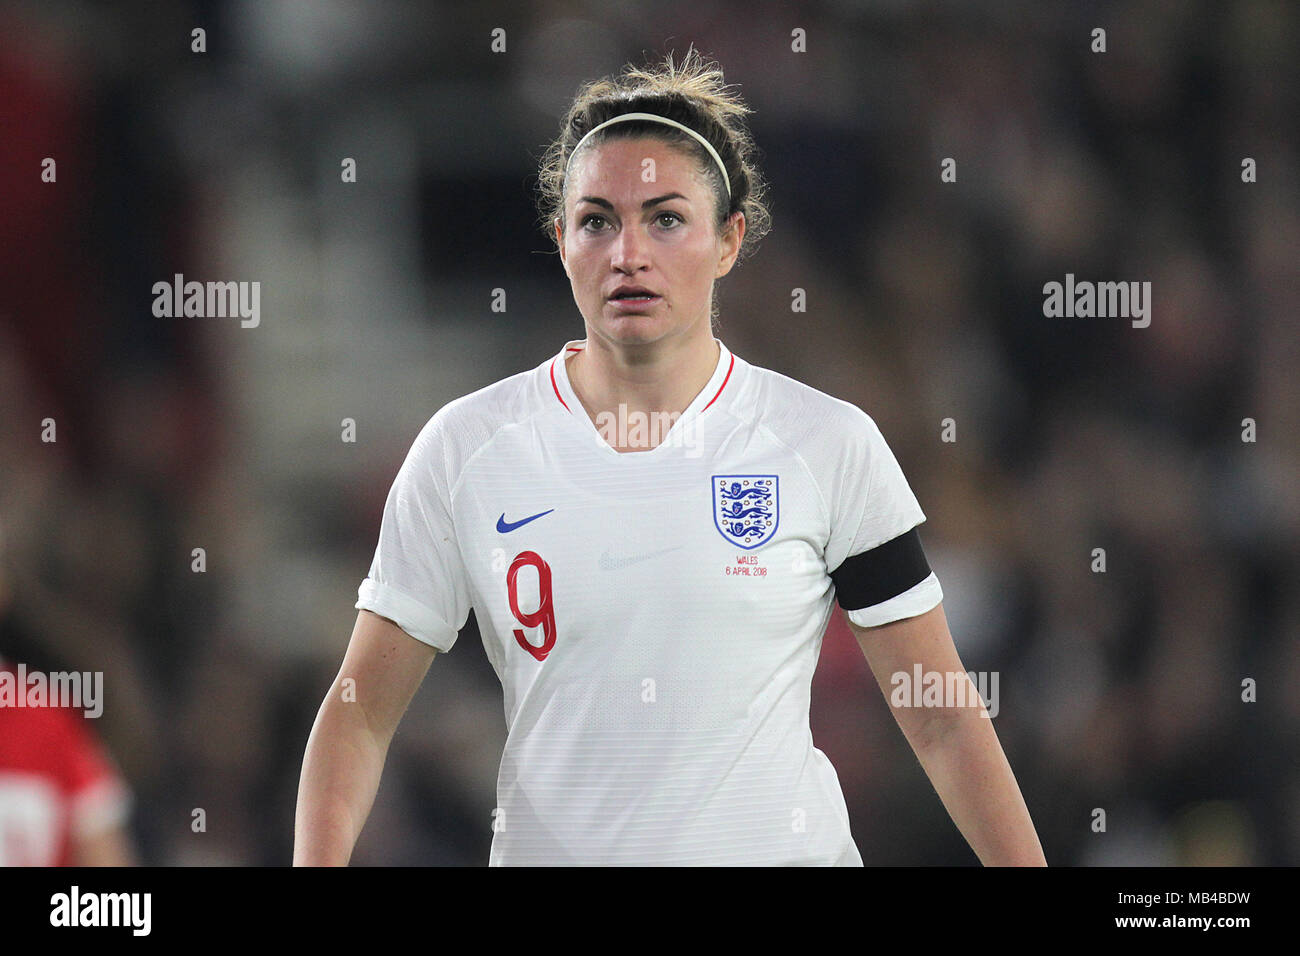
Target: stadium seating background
1119,691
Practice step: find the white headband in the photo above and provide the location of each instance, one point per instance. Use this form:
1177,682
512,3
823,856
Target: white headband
655,119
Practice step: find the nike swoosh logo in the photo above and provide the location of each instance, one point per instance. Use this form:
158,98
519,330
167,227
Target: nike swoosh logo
608,563
505,527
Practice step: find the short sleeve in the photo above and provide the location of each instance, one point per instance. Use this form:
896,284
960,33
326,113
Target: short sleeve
417,578
874,553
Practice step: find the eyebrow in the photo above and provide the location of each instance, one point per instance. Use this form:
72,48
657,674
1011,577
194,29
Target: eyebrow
606,204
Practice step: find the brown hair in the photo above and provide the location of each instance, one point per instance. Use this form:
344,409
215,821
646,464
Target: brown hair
693,93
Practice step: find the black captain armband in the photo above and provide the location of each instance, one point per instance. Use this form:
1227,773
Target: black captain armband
886,571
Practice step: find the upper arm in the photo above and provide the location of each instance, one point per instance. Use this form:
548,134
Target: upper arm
386,666
417,579
873,552
898,648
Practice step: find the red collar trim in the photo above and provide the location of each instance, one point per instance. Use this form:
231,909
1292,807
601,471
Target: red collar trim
557,388
722,386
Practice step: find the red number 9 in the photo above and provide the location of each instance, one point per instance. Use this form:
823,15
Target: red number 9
545,613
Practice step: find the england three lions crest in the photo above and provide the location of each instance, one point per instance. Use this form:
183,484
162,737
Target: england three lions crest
746,508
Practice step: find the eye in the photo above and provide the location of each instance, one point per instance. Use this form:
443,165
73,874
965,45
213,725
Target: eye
670,215
588,218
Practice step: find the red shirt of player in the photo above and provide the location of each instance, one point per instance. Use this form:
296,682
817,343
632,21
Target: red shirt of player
57,785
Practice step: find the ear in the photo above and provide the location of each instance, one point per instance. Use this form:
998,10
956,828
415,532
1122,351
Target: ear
559,242
730,241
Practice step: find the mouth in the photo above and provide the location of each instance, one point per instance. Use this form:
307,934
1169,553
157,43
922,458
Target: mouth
633,298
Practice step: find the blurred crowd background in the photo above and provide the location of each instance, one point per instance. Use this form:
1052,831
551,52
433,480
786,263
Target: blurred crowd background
1119,690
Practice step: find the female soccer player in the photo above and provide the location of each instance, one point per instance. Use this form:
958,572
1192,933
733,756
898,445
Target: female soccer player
651,532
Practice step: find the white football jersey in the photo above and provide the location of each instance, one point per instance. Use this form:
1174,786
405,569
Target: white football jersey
655,617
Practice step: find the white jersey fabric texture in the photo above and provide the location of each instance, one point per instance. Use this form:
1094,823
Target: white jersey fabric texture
655,617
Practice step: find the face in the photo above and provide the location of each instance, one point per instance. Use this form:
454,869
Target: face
620,230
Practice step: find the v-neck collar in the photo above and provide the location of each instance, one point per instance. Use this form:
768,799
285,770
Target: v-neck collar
712,390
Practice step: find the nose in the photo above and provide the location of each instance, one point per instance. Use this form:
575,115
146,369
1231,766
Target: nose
630,251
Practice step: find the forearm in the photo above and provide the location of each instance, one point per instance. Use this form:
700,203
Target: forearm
965,763
340,777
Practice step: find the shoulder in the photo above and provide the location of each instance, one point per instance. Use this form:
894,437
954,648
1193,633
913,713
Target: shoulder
802,416
506,402
466,424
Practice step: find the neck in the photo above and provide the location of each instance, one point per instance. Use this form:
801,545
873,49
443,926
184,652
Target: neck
643,380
